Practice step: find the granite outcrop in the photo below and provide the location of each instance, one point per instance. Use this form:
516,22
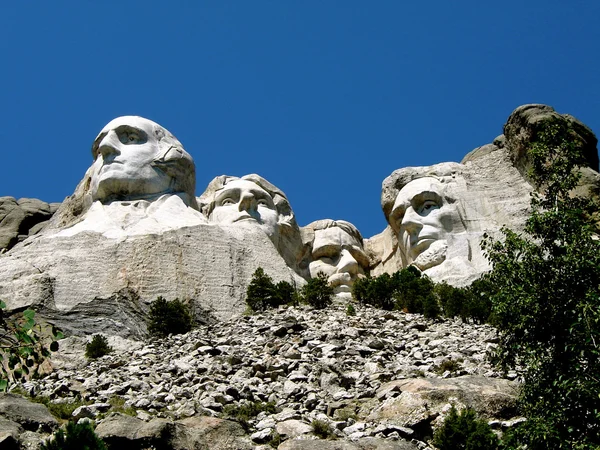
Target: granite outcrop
384,378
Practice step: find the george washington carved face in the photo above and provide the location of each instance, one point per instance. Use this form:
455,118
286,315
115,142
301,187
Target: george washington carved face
136,158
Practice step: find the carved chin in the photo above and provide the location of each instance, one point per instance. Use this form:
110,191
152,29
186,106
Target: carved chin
433,256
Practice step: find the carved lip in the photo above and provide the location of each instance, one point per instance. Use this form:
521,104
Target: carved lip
422,244
245,217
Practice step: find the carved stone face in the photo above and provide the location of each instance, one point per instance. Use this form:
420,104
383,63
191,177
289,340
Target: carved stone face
245,203
338,255
423,219
123,170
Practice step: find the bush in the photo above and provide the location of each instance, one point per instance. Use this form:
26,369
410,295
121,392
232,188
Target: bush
350,310
322,429
77,436
260,293
98,347
545,291
167,318
317,292
465,432
285,294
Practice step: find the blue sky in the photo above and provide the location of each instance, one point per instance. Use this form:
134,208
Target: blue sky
324,99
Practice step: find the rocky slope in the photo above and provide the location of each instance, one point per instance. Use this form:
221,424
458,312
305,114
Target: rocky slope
378,379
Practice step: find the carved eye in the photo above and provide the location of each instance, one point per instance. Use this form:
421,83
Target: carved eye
262,202
130,137
427,206
133,137
227,201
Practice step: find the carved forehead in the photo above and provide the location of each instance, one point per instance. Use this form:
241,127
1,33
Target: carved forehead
242,185
133,121
334,236
419,186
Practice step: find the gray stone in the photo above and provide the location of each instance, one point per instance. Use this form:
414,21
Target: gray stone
31,416
422,399
9,434
292,428
360,444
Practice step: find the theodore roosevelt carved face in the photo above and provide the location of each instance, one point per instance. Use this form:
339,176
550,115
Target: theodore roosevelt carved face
423,217
337,251
136,158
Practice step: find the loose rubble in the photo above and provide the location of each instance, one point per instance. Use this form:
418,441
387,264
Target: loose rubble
379,375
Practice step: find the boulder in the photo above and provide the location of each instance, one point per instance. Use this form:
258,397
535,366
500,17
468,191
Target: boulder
31,416
9,434
201,433
421,400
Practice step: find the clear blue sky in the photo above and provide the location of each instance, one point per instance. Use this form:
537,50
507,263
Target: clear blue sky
323,98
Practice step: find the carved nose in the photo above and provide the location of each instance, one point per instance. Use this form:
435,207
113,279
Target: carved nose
411,222
247,202
109,145
347,263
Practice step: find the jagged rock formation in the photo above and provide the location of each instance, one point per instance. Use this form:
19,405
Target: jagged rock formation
22,218
380,378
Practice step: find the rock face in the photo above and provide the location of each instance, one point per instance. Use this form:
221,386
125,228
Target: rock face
438,214
89,283
22,218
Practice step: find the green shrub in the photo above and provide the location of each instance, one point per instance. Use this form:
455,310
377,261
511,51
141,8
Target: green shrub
545,294
260,293
322,429
447,365
166,317
463,431
78,436
285,294
98,347
350,310
24,345
317,292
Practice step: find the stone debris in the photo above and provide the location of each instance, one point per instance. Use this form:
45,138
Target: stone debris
379,374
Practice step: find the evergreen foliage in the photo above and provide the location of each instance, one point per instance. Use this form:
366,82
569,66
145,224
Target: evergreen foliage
317,292
23,346
260,293
167,318
463,431
80,436
545,292
263,293
98,347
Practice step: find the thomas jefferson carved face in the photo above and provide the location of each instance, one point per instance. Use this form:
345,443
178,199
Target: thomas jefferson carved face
339,255
125,151
244,202
423,218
